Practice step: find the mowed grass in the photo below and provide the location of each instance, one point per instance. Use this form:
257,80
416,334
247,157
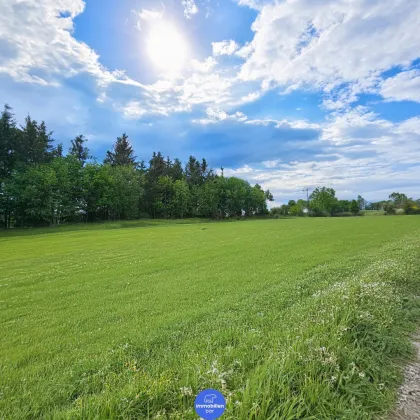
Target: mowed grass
290,319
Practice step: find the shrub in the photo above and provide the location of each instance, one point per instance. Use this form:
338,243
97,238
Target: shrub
317,212
296,210
344,214
389,208
276,211
411,208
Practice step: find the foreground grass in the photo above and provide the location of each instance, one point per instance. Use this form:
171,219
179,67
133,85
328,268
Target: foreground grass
304,318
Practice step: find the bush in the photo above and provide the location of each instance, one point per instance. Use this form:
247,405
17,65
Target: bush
316,212
411,208
276,211
344,214
389,208
296,210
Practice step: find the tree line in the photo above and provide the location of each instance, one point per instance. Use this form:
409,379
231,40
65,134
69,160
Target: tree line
397,203
323,202
40,184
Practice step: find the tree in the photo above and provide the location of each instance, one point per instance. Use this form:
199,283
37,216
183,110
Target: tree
45,146
258,202
97,191
236,196
125,193
361,202
295,210
398,199
79,150
9,138
268,195
303,204
276,211
355,206
122,153
163,201
180,198
35,143
177,173
284,209
193,171
8,142
157,169
344,206
323,201
209,199
389,208
46,193
411,207
38,185
58,151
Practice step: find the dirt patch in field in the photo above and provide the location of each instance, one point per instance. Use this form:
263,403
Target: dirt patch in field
408,405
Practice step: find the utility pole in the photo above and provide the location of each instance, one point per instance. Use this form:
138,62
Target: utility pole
307,197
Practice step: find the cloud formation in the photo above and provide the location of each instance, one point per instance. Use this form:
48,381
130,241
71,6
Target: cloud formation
39,47
357,152
405,86
332,44
224,47
190,8
337,49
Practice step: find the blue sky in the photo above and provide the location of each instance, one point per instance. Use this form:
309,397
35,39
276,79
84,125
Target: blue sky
287,93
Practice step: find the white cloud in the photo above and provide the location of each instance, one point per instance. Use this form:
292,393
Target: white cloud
224,47
332,43
149,15
38,47
216,115
203,85
190,8
245,51
37,36
271,163
209,88
358,153
240,172
287,124
204,66
404,86
253,4
137,109
252,96
205,88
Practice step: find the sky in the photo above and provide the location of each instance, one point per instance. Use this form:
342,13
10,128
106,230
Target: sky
290,94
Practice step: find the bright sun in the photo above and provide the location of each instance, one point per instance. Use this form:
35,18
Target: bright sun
167,48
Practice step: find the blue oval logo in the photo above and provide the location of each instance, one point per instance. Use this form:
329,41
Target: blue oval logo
210,404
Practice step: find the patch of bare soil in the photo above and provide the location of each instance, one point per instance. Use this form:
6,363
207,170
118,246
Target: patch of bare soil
408,405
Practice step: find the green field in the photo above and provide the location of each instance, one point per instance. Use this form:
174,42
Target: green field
290,319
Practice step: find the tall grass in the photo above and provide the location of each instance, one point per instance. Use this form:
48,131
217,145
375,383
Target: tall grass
299,327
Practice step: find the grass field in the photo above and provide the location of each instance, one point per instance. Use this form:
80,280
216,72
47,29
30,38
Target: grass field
290,319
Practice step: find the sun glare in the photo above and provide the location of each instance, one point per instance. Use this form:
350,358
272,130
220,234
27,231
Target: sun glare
167,48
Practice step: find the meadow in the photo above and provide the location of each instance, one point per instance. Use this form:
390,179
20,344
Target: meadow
290,318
